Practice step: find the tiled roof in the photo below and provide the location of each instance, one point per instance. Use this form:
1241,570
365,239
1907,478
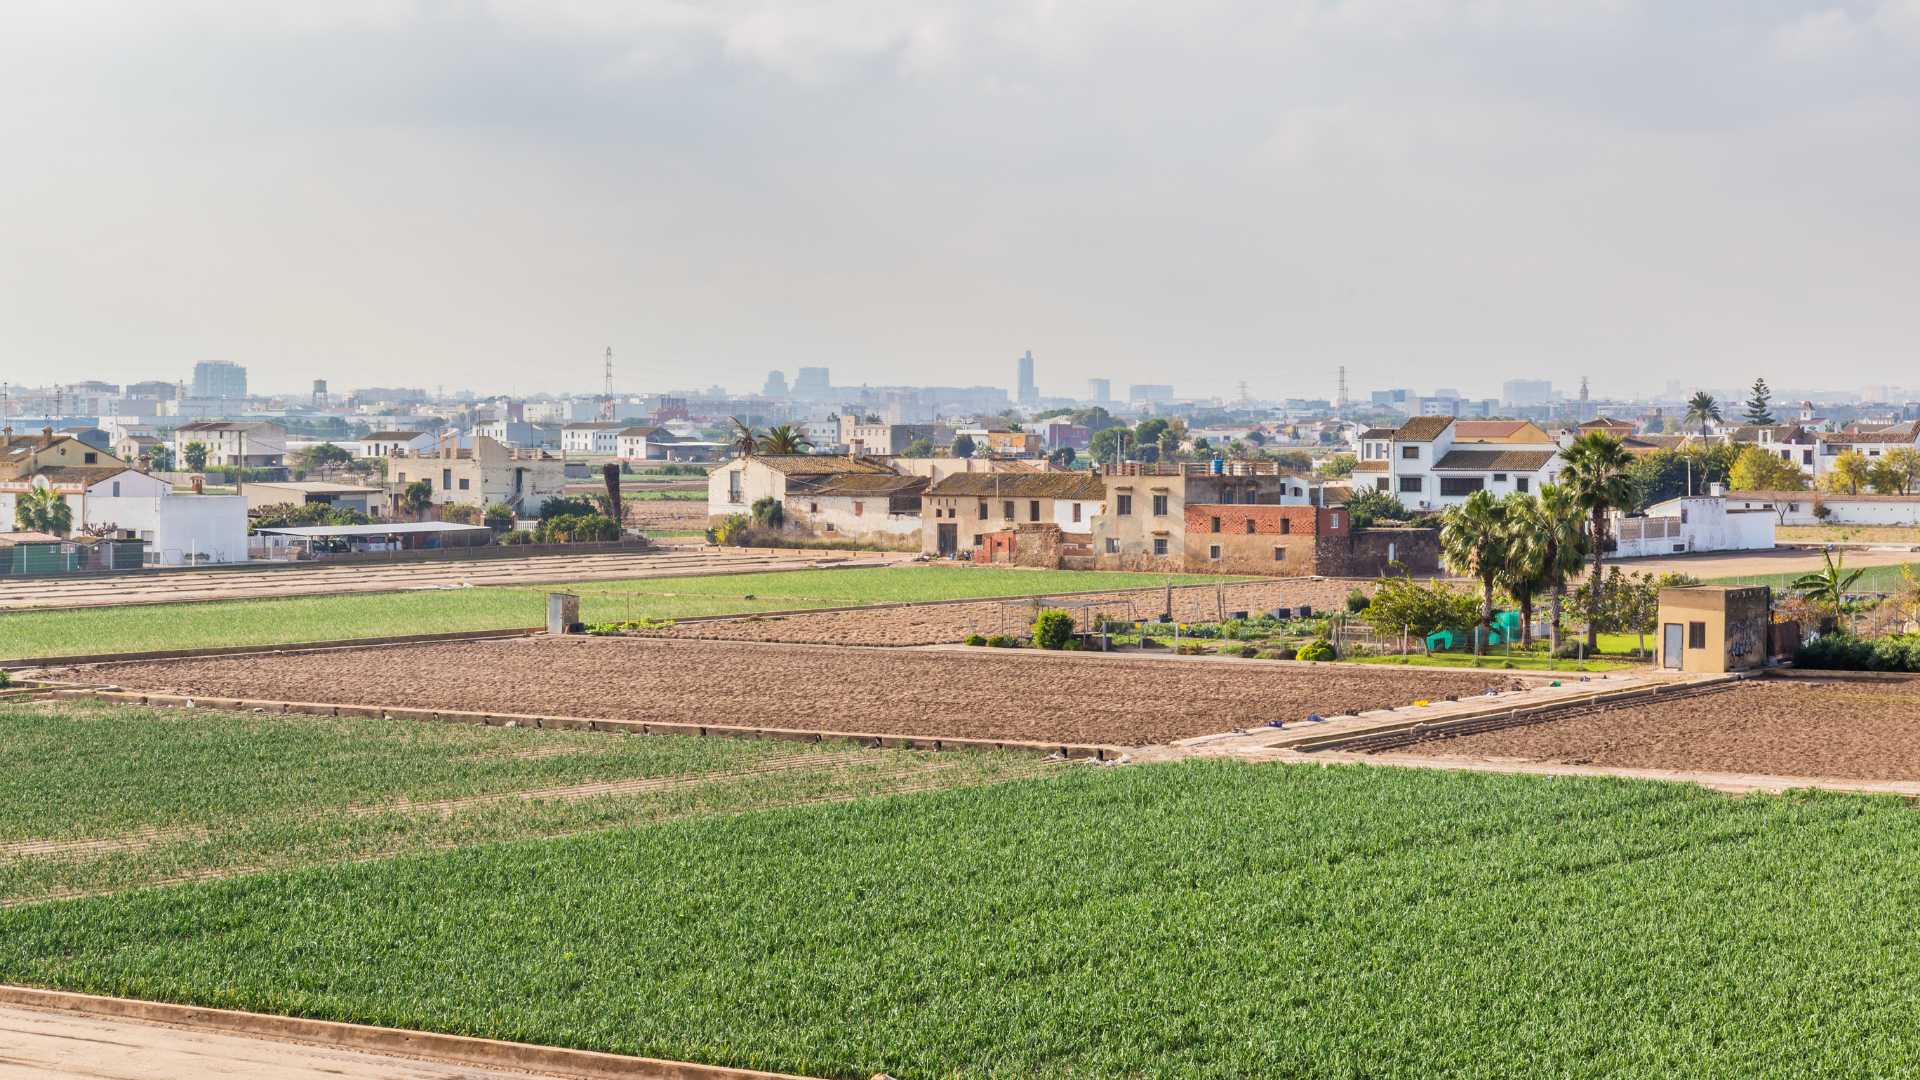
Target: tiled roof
1423,428
1750,433
868,484
1022,485
1494,460
1865,437
225,425
79,474
1487,429
1377,433
8,539
1369,466
818,464
394,436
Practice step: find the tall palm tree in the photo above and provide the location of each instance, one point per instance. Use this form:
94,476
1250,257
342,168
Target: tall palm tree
1524,574
745,439
1562,539
1596,470
1701,408
43,509
785,439
1473,542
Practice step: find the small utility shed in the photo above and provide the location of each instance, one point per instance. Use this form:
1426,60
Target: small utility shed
1714,628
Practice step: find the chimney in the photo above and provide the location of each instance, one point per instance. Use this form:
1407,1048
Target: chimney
1717,490
46,436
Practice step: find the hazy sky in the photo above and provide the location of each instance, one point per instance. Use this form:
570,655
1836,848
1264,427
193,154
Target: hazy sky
488,194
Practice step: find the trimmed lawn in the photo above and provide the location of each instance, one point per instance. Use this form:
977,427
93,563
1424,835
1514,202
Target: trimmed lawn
286,620
1203,919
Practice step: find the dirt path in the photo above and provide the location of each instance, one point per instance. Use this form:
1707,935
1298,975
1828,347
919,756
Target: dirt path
1753,563
983,694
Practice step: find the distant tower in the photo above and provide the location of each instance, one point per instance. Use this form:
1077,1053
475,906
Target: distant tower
1243,391
319,393
1584,414
1028,392
606,389
1340,401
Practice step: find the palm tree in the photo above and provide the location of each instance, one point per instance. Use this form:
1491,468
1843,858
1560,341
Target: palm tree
42,509
1701,407
417,497
1473,541
785,439
1828,585
1524,574
1562,539
1596,470
745,439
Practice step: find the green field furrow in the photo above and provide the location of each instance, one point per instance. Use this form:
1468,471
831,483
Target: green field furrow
1201,919
211,624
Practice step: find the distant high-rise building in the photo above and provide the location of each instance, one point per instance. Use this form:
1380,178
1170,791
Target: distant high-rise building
319,393
219,379
1028,392
813,383
155,390
1527,391
1100,391
1142,393
776,384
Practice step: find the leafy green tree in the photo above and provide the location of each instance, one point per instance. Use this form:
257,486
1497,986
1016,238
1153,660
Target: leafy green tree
1368,505
1849,472
784,439
1052,629
1063,457
1897,472
324,457
1760,405
1109,444
1148,432
963,446
1473,543
498,517
1337,467
196,455
1598,472
42,509
1400,603
1702,409
159,458
769,513
1756,469
919,448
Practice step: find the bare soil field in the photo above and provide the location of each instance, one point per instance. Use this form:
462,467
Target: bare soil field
666,514
1784,727
987,695
938,624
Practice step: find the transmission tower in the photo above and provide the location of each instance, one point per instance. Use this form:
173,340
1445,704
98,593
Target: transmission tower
1243,391
606,390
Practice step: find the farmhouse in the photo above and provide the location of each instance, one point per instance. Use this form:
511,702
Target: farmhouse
733,488
1145,522
872,508
487,473
367,500
382,444
231,443
965,508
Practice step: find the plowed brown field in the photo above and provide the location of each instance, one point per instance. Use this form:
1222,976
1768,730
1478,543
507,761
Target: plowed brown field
1855,730
985,695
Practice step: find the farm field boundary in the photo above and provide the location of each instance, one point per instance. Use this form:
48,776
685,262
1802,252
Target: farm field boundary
1098,752
428,1045
1727,783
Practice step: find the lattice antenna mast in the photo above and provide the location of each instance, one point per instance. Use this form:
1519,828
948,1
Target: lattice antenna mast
606,390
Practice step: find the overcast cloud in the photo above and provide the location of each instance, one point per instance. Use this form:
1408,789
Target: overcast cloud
486,195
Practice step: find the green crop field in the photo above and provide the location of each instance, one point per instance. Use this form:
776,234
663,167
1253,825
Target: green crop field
209,624
202,792
1204,919
1876,579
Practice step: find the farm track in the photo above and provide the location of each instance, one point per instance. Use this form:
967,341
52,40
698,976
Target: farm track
918,777
331,579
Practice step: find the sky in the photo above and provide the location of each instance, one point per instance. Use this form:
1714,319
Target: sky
488,195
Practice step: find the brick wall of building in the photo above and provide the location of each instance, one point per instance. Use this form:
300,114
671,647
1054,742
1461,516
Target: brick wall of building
1366,552
1236,538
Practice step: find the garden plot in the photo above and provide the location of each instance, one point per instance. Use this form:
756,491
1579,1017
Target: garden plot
988,694
936,624
1776,727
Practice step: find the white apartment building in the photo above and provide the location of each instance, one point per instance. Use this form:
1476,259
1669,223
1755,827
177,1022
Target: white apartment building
251,443
595,437
1433,462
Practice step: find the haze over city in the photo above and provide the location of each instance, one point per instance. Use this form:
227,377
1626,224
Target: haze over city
487,195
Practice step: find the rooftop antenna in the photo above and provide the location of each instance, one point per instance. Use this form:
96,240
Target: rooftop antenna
606,390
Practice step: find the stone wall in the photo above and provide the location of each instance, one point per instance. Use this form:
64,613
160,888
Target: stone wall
1366,552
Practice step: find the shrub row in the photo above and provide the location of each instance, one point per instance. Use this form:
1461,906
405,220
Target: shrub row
1844,652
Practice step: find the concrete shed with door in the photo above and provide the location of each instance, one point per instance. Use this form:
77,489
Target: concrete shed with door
1714,628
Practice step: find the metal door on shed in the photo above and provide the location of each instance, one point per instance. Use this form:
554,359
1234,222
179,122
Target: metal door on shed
1672,637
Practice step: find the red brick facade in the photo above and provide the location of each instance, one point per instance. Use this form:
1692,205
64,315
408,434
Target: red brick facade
1243,520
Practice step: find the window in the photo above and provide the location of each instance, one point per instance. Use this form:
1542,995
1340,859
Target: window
1213,552
1683,515
463,483
1460,485
446,479
1159,506
1076,512
1113,546
859,508
1033,509
1522,483
1215,525
1806,457
814,508
1122,505
1499,478
403,479
1286,525
983,508
1410,453
1279,554
1250,527
1696,635
1159,545
93,459
116,489
733,488
1410,484
1333,522
976,539
1379,483
1006,509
